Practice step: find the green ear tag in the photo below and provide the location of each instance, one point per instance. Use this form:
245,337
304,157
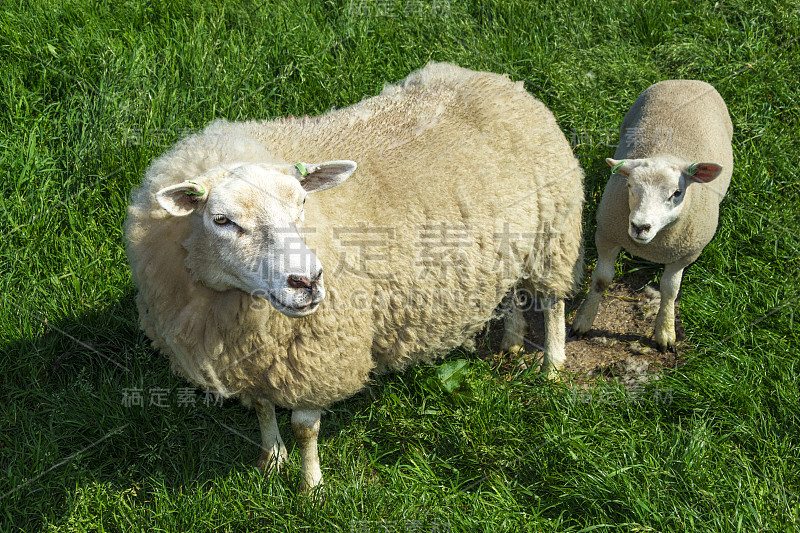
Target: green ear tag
301,168
201,192
616,167
692,170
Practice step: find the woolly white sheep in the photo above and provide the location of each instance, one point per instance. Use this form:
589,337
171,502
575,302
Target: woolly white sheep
673,165
466,191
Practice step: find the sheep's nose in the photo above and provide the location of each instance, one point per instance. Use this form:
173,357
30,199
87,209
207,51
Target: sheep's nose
296,281
299,282
638,230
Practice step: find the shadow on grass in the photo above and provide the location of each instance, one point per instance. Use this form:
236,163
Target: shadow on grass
93,419
92,414
89,406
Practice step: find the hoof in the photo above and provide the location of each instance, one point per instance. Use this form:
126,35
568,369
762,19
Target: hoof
269,464
577,334
314,493
664,348
551,373
513,350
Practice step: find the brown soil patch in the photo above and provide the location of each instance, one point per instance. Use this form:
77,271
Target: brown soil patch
619,346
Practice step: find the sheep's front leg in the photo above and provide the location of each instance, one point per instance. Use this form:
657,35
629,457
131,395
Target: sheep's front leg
273,452
554,336
665,320
305,425
602,277
514,326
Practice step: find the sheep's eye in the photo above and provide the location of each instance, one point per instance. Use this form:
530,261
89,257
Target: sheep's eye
677,193
221,220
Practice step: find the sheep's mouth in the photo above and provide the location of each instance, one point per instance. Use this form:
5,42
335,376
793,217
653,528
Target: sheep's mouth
293,311
639,240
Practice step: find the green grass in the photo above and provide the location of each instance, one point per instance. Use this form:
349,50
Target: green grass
90,94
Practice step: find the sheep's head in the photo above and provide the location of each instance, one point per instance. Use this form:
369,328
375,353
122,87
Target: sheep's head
246,221
657,189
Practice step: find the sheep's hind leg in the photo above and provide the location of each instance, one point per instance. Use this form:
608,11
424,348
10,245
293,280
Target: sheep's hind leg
554,336
665,320
602,277
273,451
305,425
514,326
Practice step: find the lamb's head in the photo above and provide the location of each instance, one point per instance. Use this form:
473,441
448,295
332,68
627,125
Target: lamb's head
245,235
657,191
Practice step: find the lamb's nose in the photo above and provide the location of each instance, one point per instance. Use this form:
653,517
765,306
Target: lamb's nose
638,230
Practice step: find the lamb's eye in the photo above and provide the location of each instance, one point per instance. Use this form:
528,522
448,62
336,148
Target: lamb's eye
677,193
221,220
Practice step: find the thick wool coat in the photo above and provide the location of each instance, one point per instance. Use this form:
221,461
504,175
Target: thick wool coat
465,188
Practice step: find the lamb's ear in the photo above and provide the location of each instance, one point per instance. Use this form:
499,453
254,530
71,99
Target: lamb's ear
316,177
181,199
703,172
622,166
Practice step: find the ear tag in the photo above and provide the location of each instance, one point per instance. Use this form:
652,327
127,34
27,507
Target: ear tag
692,170
617,166
201,192
301,168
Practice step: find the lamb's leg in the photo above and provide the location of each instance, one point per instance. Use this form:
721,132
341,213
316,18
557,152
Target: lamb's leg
514,325
665,320
601,278
554,336
273,452
305,424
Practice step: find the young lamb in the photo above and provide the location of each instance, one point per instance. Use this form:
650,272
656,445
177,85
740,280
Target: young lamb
466,191
673,166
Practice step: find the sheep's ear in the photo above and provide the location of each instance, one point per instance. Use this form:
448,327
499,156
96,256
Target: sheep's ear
181,199
316,177
703,172
622,166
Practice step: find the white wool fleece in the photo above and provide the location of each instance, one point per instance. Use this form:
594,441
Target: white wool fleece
465,190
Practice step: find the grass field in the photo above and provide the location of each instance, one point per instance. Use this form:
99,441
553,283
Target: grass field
91,92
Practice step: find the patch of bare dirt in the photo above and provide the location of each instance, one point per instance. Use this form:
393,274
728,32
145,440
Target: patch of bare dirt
620,345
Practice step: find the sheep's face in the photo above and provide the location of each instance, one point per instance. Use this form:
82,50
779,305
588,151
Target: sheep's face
246,229
657,189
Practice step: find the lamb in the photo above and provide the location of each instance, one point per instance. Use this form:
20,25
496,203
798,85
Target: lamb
465,194
662,203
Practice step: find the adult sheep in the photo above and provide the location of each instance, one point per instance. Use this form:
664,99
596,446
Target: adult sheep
673,166
466,190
